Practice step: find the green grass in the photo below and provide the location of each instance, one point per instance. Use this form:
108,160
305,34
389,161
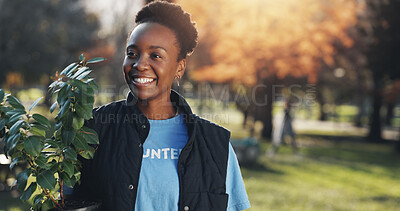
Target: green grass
327,175
334,171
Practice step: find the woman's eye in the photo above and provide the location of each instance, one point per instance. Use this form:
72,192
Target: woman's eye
131,54
155,56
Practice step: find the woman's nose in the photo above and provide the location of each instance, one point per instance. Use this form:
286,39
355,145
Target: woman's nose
141,64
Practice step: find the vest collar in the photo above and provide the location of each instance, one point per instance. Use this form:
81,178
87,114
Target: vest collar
177,101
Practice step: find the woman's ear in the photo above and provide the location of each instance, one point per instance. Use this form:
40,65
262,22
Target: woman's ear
181,68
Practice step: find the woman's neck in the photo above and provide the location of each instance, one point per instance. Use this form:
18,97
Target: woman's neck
157,110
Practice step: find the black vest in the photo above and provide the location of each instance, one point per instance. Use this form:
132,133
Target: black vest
112,176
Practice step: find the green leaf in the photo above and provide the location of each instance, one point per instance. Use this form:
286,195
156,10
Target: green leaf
28,192
6,109
41,161
53,143
15,161
6,139
89,100
48,205
35,103
77,122
12,141
52,85
77,83
14,118
1,95
79,72
54,166
88,91
69,69
2,132
53,107
89,135
87,154
80,142
67,121
83,75
67,135
58,125
95,60
19,146
85,96
39,126
70,154
68,168
23,179
38,199
2,123
13,112
81,57
84,111
64,109
93,84
46,180
57,134
33,145
89,80
42,120
38,132
15,128
63,94
69,181
14,102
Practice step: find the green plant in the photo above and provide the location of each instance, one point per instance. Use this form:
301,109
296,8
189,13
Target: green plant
51,157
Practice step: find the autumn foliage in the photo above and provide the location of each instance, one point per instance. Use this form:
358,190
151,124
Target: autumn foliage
258,38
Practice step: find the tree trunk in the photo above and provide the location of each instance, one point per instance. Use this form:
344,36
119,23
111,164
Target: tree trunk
267,121
375,130
263,96
389,113
360,106
321,101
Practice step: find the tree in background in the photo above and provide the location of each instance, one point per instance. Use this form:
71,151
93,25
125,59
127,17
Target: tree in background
381,24
38,36
259,42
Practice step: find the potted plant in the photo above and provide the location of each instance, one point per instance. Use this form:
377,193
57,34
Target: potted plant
51,152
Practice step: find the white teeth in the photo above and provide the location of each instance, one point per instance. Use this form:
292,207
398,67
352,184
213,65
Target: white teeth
143,80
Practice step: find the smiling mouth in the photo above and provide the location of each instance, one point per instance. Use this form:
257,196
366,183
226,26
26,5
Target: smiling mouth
142,80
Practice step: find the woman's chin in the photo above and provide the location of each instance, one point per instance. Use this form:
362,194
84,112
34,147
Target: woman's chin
145,96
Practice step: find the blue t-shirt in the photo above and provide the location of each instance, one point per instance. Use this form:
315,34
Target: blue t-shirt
159,183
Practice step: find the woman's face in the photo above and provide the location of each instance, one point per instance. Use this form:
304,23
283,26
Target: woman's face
150,64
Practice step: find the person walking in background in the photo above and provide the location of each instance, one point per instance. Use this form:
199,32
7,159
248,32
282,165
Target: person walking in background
283,130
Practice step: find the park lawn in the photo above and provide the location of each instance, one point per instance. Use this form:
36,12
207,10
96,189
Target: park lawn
327,175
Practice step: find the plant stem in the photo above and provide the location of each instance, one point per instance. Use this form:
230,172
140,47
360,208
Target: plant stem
32,164
48,194
61,192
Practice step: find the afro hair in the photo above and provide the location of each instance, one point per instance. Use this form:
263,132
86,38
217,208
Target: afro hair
172,16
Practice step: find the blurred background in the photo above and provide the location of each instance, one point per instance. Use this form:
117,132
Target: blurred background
328,68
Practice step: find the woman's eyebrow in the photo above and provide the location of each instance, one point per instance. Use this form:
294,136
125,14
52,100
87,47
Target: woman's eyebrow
157,47
151,47
131,46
